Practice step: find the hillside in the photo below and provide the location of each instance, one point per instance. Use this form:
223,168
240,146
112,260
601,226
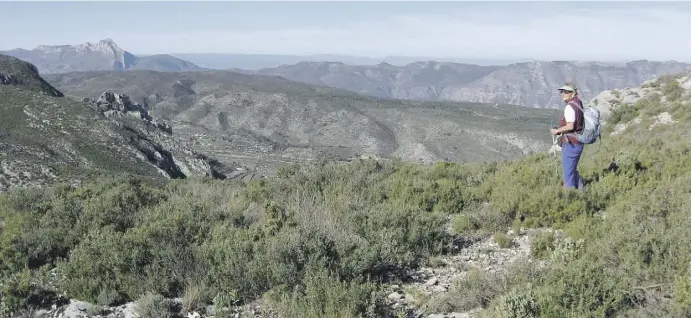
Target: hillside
239,118
104,55
531,84
18,73
376,238
47,138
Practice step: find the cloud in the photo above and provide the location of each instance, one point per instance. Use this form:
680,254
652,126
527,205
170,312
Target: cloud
657,34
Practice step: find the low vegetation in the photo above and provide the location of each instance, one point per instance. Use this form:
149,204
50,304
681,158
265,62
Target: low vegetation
320,240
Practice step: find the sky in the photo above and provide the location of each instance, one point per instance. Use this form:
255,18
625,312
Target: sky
582,30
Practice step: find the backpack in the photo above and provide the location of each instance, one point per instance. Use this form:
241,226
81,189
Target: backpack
591,125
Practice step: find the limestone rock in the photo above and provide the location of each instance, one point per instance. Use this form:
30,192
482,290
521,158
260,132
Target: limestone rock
112,101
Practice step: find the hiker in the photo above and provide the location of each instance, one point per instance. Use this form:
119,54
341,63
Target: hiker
571,149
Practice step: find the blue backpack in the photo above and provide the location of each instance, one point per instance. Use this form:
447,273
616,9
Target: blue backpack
591,125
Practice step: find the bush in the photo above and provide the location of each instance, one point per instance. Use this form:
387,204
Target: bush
672,90
152,305
519,304
503,240
323,295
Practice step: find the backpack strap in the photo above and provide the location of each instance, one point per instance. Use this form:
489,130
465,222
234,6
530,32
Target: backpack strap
576,104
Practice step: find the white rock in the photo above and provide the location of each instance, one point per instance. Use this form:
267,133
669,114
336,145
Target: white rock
395,296
685,83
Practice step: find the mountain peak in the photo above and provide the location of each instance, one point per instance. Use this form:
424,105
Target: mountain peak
105,54
106,46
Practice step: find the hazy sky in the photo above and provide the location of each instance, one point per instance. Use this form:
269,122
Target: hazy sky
584,30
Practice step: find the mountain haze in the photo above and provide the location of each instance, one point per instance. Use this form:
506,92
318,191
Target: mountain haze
104,55
531,84
260,61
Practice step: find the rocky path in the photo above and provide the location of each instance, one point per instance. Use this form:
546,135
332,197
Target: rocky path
424,285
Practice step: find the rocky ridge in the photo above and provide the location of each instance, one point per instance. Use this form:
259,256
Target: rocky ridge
530,84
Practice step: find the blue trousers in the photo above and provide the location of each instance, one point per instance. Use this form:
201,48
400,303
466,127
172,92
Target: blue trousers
570,155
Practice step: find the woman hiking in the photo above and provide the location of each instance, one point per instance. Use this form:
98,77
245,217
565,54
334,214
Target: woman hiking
571,149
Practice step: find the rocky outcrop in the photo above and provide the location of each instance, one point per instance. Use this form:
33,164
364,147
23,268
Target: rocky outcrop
112,104
154,139
79,309
119,102
6,79
608,100
663,88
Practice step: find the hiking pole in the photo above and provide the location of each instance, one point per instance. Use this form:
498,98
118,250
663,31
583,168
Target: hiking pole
554,151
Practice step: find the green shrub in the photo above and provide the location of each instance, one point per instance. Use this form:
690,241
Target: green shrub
323,295
503,240
477,289
25,290
519,304
152,305
682,290
623,114
672,90
461,224
542,245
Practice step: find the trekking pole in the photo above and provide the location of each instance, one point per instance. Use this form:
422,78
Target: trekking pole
554,151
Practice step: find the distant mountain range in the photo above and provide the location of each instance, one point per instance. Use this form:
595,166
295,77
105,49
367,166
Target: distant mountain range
530,84
259,61
101,56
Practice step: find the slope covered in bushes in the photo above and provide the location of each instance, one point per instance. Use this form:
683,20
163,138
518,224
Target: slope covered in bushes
321,241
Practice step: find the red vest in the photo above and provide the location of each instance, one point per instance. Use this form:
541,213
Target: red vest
578,125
